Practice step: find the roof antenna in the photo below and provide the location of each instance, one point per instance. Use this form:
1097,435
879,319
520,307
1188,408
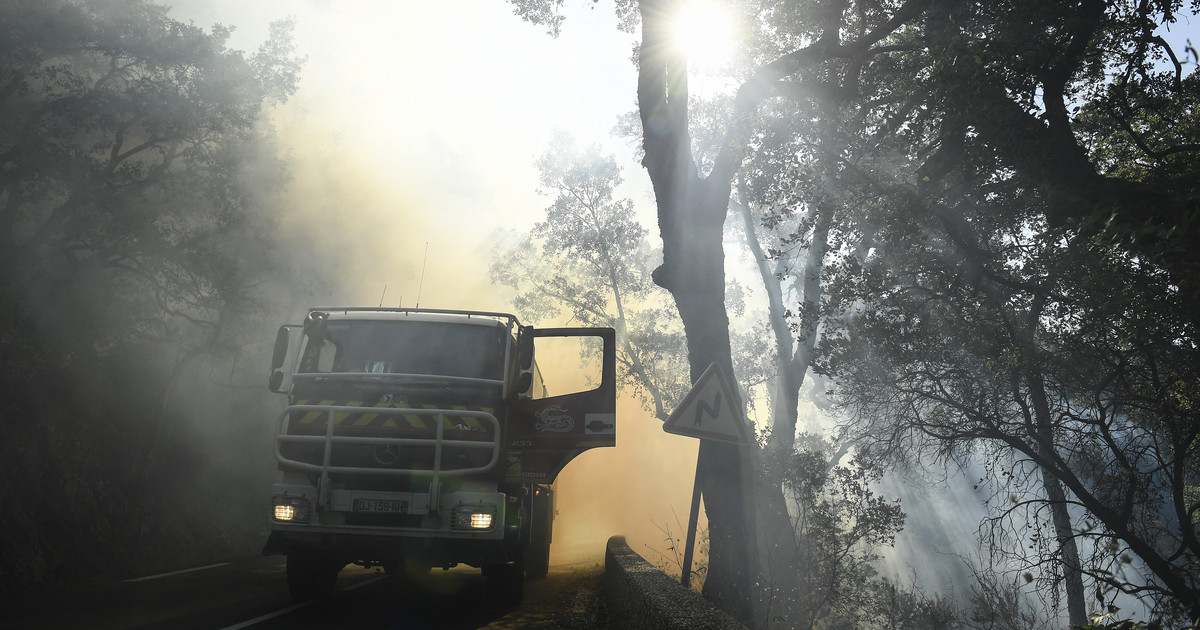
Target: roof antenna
422,283
382,294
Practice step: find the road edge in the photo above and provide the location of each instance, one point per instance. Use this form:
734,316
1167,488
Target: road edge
641,596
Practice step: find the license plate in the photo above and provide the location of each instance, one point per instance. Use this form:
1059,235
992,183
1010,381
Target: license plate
382,506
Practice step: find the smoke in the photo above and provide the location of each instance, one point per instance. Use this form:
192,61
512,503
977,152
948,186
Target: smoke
940,532
641,489
410,145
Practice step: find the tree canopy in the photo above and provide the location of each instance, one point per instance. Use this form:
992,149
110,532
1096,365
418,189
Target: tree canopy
135,170
130,144
1008,269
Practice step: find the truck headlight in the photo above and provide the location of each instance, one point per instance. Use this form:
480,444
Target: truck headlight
290,509
473,517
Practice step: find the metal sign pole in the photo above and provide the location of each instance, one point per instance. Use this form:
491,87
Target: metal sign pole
693,518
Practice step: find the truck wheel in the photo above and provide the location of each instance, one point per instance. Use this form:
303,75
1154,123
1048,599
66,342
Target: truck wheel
506,583
310,574
537,555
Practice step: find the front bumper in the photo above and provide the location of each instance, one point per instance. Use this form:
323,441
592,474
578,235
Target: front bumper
441,538
357,512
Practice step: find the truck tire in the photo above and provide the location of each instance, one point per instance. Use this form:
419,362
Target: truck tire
310,574
505,583
537,554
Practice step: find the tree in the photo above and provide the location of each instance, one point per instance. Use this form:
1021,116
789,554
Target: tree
956,197
960,162
591,256
838,524
127,139
692,208
1055,359
135,241
780,197
691,216
937,163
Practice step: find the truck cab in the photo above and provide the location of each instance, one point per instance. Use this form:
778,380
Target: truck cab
420,438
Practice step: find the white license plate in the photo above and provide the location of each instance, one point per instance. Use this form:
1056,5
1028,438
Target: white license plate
380,506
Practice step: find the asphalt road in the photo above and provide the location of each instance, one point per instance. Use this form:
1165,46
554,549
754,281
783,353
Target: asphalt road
252,593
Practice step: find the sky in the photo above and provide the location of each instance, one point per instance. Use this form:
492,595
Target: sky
428,117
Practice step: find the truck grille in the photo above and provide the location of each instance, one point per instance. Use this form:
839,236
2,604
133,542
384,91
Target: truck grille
327,441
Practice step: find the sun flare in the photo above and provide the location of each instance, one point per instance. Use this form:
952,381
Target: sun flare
704,31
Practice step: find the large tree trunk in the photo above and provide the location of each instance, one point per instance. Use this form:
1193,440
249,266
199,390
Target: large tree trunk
691,216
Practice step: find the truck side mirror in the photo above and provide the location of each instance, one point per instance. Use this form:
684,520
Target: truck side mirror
281,347
283,343
525,349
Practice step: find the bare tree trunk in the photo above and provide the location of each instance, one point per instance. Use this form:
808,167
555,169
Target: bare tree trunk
814,266
1057,498
794,355
785,394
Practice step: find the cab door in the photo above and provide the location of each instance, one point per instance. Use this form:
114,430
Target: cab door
545,433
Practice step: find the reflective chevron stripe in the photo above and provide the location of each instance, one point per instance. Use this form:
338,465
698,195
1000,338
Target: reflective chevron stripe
313,416
368,419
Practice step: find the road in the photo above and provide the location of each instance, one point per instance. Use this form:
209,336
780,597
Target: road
252,593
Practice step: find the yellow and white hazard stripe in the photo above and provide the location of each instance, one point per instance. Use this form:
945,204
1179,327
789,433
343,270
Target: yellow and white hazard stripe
367,419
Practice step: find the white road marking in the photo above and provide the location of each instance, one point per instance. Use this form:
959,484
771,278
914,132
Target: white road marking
270,615
179,572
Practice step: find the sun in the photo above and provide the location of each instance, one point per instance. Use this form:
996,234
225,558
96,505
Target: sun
704,31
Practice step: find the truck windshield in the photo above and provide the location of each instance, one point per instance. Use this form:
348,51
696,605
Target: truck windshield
408,347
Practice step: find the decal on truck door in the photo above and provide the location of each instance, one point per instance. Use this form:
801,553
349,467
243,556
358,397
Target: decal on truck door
554,419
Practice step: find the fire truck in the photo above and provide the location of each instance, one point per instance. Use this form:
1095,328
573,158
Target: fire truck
422,438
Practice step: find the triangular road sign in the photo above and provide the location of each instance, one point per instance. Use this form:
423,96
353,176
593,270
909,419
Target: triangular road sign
709,411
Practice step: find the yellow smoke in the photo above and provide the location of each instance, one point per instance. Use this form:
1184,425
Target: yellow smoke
638,489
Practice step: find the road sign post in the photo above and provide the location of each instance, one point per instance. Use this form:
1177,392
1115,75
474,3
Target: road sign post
708,412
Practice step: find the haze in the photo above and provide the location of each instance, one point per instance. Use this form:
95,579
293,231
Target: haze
431,160
416,125
418,122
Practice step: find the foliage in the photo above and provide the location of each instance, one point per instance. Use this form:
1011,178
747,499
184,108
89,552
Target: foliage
135,245
890,605
130,143
994,313
1125,624
838,524
986,319
1011,267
